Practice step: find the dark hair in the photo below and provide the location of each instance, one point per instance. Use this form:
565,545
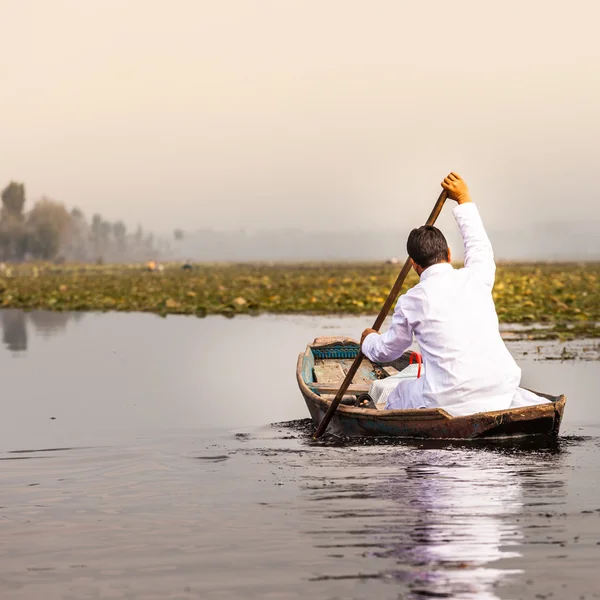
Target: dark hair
427,246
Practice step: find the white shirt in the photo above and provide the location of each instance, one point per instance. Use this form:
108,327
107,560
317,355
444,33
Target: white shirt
451,312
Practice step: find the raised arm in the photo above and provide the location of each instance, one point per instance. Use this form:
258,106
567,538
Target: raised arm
479,255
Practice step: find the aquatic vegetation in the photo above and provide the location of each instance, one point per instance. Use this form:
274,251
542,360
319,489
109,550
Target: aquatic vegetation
566,297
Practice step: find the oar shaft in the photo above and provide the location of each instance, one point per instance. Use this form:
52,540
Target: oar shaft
385,309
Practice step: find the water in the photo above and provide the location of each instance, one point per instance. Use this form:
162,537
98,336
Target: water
137,460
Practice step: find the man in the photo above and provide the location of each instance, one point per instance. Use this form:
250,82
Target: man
451,312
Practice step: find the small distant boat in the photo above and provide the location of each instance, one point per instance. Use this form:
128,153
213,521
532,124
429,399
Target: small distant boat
322,368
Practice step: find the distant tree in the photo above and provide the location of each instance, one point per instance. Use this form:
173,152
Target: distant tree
77,215
13,236
119,231
100,232
49,228
13,201
13,239
96,224
149,242
178,234
105,232
78,248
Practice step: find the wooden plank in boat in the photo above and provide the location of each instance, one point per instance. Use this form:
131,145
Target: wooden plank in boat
328,371
332,388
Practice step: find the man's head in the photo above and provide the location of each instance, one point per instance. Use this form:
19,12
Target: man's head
427,246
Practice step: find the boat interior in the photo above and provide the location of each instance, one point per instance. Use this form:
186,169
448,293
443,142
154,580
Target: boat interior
326,366
326,363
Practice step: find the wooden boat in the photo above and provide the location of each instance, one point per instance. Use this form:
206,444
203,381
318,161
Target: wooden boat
321,369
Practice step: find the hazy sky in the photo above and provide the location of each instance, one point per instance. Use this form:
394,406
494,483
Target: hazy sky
316,114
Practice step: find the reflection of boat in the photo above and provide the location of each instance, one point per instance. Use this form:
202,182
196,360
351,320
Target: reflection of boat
467,522
321,369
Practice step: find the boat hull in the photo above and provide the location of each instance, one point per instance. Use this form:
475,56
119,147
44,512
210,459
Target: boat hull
351,421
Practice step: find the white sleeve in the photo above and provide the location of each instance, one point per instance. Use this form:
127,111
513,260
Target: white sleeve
479,255
393,343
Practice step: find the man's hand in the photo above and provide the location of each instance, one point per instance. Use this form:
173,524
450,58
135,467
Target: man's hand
365,333
457,189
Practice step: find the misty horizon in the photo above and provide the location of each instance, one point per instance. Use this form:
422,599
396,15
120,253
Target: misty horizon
334,116
576,243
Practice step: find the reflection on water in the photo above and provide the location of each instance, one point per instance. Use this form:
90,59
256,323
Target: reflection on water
14,325
49,323
269,514
14,330
463,529
137,461
445,523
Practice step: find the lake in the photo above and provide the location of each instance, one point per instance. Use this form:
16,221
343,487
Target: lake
139,460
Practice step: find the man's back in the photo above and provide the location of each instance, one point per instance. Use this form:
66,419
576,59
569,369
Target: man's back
451,312
453,317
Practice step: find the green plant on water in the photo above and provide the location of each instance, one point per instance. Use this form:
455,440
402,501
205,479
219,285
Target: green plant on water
565,297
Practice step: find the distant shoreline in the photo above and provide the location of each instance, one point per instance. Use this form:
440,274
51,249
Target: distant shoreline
563,297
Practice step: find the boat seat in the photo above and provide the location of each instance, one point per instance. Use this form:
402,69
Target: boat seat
332,388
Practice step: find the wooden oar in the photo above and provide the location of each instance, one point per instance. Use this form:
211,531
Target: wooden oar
391,300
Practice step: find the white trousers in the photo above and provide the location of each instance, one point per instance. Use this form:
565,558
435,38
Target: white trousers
409,395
